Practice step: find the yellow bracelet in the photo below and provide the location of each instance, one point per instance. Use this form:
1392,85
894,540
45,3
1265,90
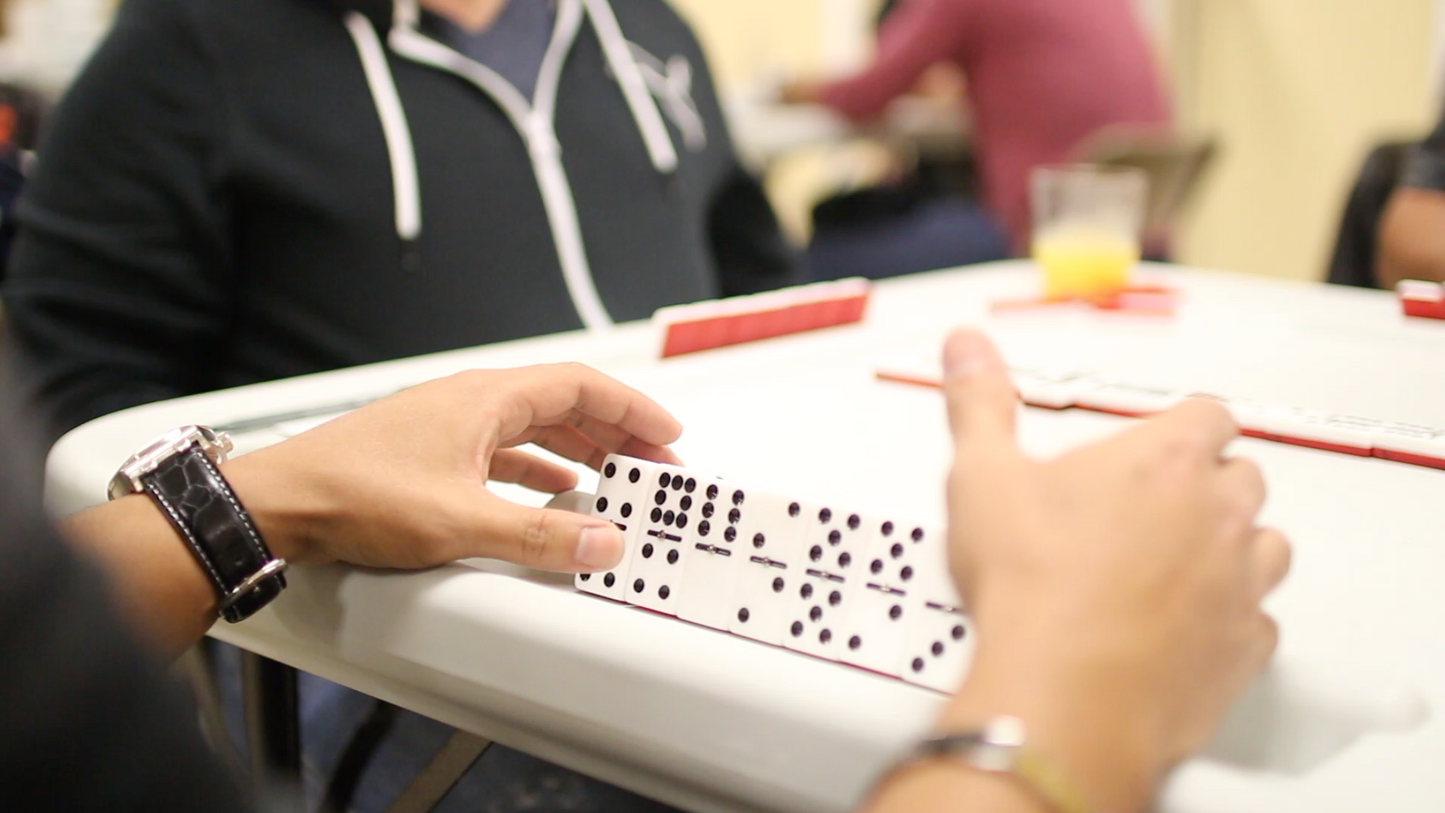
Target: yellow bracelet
998,747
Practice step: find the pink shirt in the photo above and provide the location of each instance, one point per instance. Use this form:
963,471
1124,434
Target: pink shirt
1043,75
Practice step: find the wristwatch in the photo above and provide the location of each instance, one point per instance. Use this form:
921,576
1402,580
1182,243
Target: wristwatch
1000,747
178,471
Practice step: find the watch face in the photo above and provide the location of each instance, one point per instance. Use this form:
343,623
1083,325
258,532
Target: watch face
127,480
169,441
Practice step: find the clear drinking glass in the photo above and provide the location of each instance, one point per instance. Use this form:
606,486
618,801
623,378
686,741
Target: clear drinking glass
1087,224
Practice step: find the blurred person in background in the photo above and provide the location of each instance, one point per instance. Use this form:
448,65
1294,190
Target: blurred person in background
235,191
925,214
244,190
1042,76
1411,240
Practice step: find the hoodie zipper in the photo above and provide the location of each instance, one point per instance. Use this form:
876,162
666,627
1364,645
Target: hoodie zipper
535,122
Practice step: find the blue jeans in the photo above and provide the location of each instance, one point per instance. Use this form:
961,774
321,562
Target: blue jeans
939,233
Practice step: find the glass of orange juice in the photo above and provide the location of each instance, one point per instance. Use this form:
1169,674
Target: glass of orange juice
1086,231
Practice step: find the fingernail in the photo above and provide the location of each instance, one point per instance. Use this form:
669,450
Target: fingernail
599,546
964,354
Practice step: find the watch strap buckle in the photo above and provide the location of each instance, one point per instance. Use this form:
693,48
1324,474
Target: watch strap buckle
275,567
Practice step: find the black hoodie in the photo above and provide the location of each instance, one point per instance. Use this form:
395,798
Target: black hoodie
233,191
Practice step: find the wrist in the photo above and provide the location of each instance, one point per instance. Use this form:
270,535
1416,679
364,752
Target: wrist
942,784
1081,719
282,505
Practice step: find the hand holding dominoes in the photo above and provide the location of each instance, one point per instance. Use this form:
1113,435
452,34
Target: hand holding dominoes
401,482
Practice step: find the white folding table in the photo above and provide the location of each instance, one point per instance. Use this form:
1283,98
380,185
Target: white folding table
711,722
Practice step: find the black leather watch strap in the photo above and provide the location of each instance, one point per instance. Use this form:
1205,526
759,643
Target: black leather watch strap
205,512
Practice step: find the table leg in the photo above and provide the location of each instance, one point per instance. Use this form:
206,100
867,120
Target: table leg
427,788
273,731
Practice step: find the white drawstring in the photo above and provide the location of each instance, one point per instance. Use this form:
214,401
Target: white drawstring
644,110
536,131
671,83
406,188
534,122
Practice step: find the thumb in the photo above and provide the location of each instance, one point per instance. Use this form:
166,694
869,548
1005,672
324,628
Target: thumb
543,538
981,399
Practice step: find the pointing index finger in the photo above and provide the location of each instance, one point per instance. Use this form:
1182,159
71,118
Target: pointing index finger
981,398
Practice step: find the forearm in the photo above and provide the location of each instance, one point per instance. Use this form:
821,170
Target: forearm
400,483
161,590
159,584
916,36
1412,238
938,786
86,341
120,286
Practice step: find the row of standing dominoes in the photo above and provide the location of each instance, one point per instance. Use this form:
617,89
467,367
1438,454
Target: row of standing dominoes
736,320
1346,434
1421,298
819,579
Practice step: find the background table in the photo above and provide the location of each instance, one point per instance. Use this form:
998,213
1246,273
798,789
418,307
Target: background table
717,723
764,129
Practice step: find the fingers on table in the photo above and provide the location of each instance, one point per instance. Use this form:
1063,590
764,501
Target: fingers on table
550,394
530,471
613,438
561,440
547,539
579,446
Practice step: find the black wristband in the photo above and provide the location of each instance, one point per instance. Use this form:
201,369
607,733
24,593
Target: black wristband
202,508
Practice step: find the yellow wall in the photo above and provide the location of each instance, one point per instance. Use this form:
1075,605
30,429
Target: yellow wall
1298,90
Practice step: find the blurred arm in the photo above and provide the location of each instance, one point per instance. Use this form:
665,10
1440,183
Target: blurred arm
90,720
118,284
1412,238
918,35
